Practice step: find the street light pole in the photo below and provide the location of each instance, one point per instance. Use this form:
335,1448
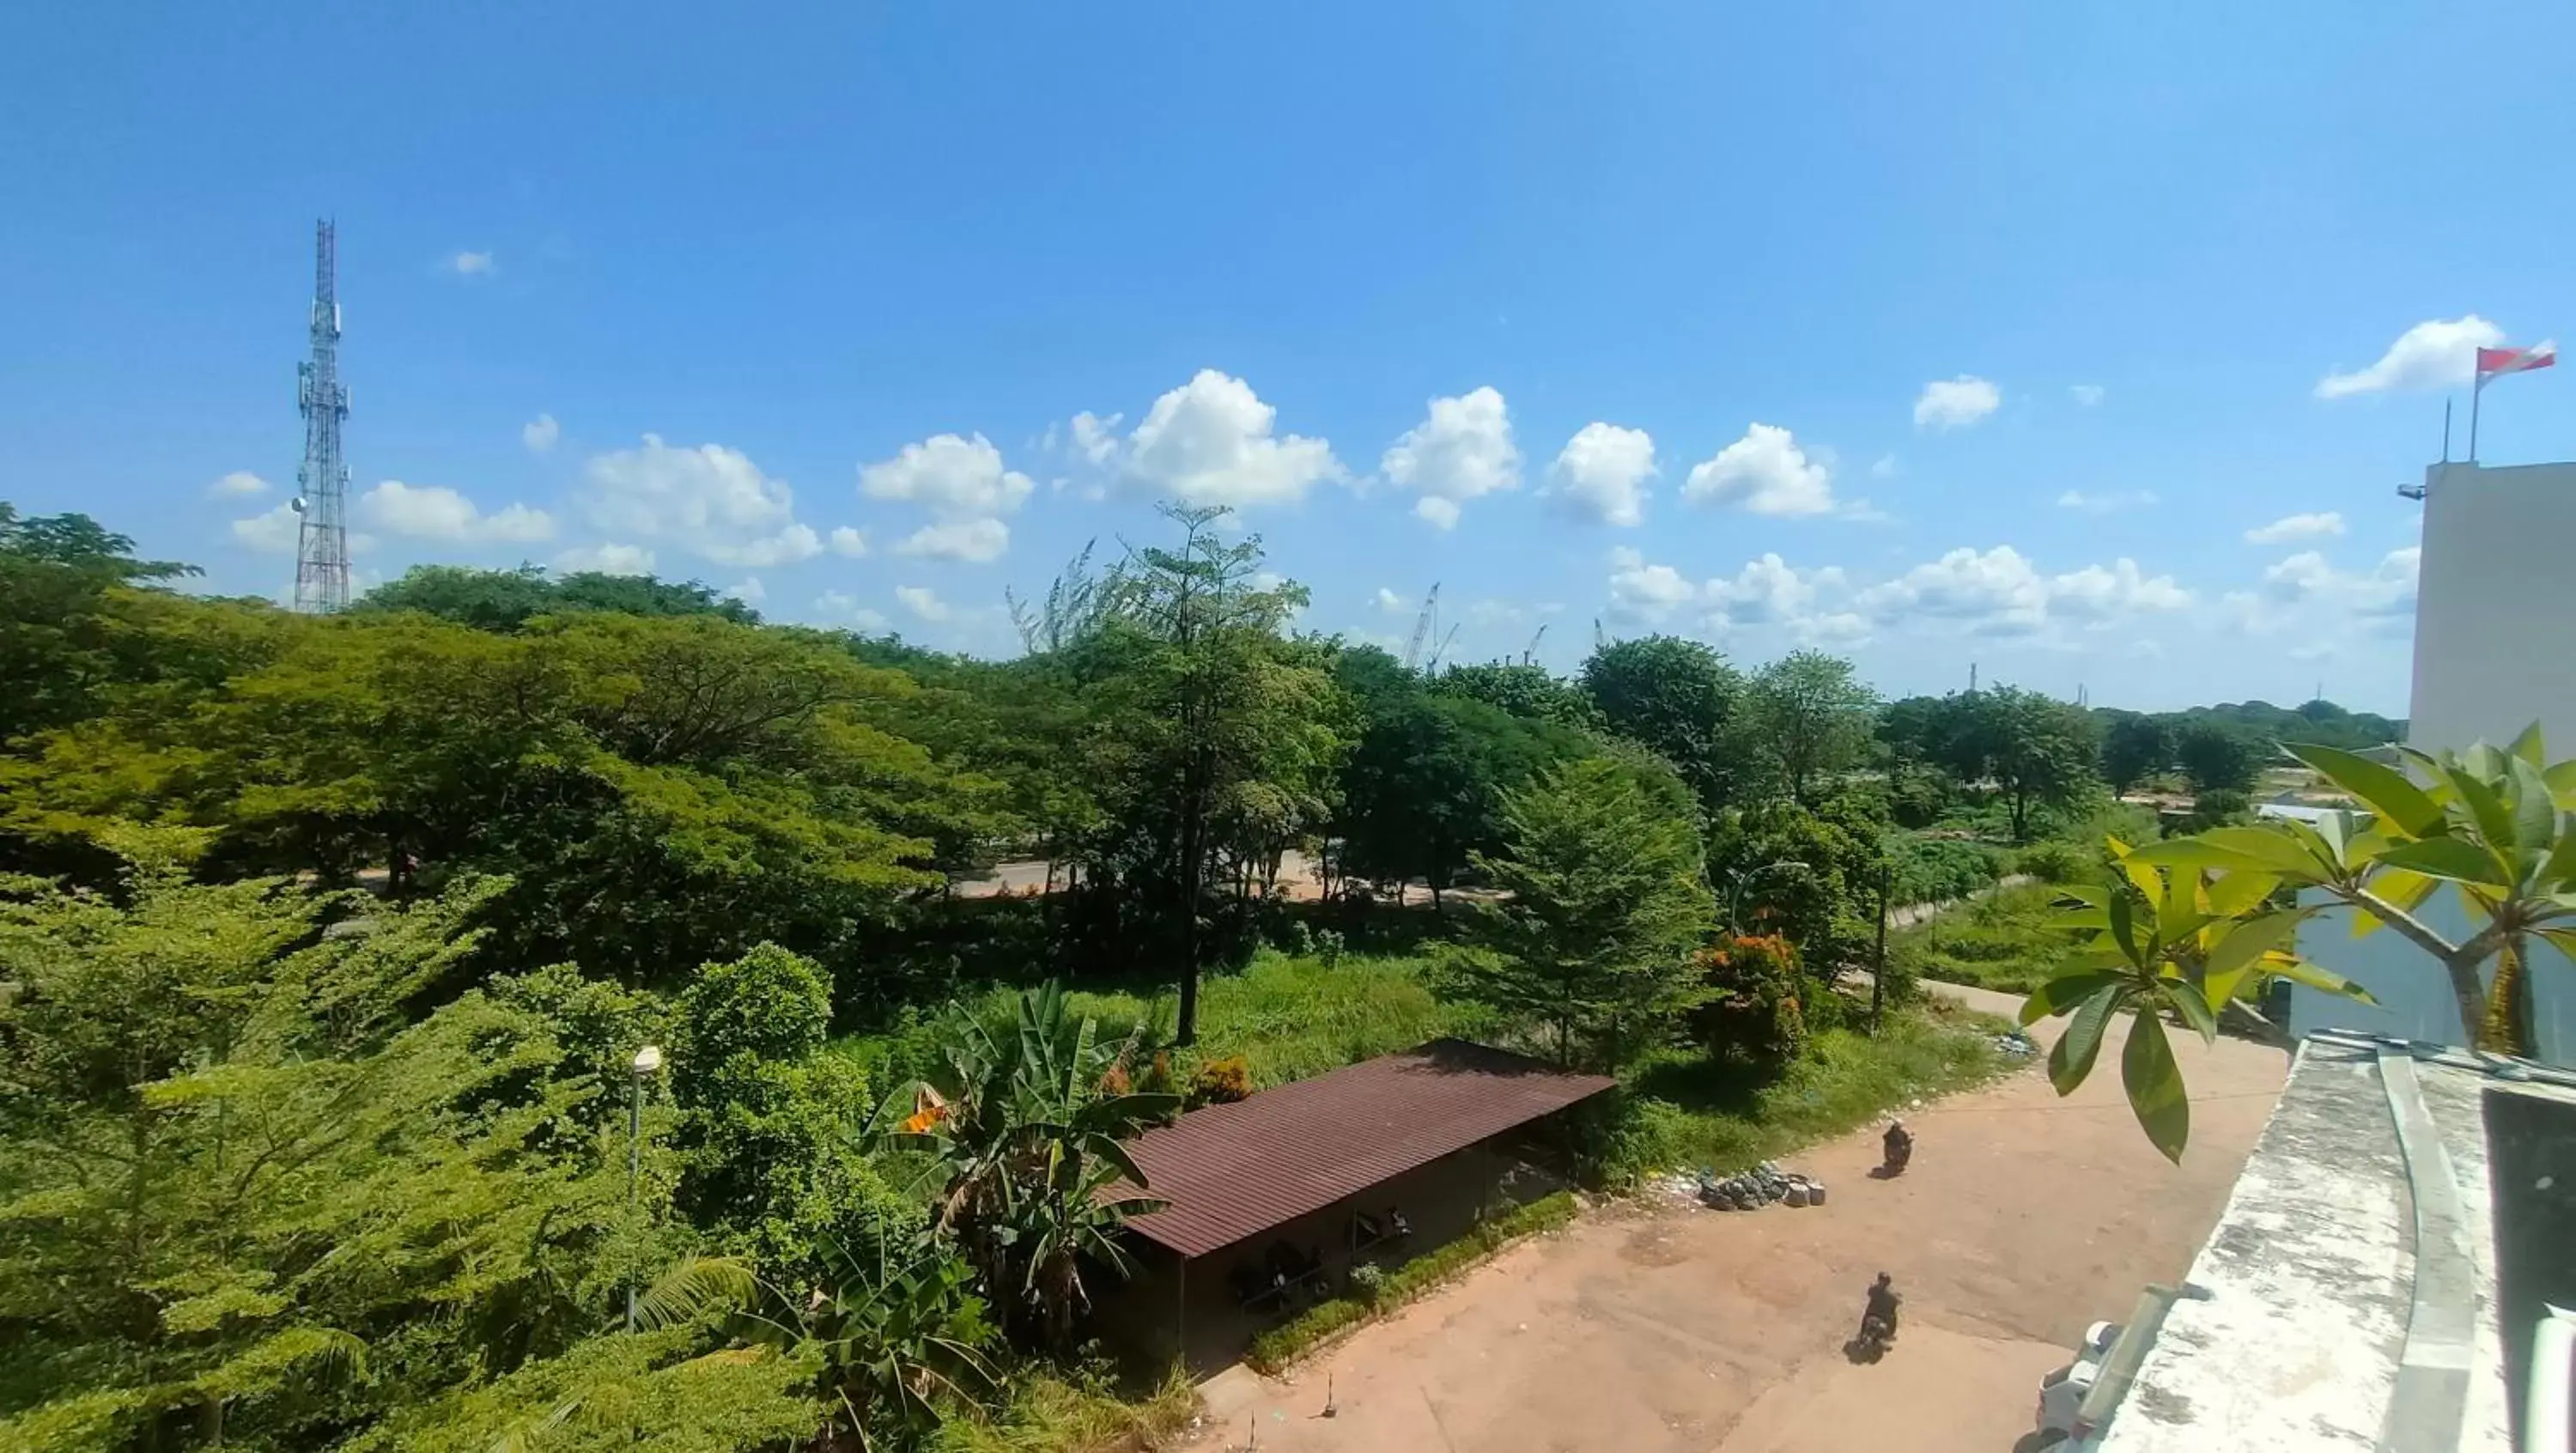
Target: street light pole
1736,878
648,1062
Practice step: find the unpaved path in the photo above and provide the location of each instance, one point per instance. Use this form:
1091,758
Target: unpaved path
2023,1218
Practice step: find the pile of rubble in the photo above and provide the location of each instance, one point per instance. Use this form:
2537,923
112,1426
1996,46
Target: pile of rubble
2016,1043
1759,1187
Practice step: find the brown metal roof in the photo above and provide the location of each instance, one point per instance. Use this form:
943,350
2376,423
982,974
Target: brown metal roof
1233,1171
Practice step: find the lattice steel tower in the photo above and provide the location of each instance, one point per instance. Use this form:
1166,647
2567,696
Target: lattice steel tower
322,484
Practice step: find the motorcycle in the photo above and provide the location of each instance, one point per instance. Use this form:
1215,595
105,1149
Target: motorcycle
1899,1151
1872,1341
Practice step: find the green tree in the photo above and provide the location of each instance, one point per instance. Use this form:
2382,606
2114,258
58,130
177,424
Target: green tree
1810,716
1425,786
1527,691
1606,902
2134,747
247,1200
2038,752
2193,922
767,1131
1677,698
2217,758
1218,736
1035,1180
505,600
66,589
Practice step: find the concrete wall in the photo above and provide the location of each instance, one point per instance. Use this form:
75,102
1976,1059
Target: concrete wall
2495,606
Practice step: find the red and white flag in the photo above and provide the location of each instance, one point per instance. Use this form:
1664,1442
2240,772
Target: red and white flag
2496,362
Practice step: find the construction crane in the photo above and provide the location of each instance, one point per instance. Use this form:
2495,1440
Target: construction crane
1529,652
1422,628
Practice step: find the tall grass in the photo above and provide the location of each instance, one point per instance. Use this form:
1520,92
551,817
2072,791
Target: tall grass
2006,940
1290,1017
1686,1109
1050,1413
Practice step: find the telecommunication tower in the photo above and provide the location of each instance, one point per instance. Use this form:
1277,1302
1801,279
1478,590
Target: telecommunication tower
322,483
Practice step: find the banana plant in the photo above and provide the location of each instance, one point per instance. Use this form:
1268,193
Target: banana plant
2156,940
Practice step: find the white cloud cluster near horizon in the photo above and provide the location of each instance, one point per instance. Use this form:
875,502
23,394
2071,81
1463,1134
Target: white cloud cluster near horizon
1995,592
540,433
607,558
240,484
1212,441
2433,354
1955,403
709,499
1462,449
435,512
2106,502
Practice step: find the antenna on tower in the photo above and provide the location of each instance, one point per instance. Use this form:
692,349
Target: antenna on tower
322,483
1972,678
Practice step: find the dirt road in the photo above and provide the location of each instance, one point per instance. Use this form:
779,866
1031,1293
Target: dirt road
2024,1218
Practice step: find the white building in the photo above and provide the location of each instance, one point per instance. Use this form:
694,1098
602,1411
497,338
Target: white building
2495,607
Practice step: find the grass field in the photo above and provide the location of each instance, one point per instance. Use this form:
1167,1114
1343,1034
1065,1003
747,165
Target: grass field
1685,1109
2006,940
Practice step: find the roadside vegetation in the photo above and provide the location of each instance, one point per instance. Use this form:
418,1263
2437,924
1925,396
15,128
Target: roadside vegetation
330,949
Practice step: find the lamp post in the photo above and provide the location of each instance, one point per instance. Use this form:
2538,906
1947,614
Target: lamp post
648,1063
1736,878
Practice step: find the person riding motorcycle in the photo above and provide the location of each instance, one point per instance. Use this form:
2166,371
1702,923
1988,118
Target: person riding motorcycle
1879,1315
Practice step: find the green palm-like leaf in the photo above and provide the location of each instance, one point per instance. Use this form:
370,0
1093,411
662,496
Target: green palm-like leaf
2381,789
2455,859
2071,1058
2300,971
2067,992
697,1289
2153,1079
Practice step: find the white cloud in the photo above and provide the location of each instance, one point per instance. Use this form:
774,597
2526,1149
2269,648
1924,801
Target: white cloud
2109,502
849,542
1492,612
975,541
1766,473
473,264
1392,603
2386,591
1643,592
1885,468
708,499
435,512
2297,527
2098,595
240,484
274,531
841,606
748,590
1602,472
1768,591
606,559
1210,442
1955,403
954,478
785,547
1999,592
924,602
540,433
2432,354
1094,439
2086,394
1462,449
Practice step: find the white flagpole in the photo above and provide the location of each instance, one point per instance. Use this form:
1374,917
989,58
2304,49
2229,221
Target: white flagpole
2477,391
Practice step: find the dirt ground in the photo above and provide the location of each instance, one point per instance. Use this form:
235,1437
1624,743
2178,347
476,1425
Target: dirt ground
2022,1219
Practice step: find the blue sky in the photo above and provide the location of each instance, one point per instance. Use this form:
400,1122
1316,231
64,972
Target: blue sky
1929,334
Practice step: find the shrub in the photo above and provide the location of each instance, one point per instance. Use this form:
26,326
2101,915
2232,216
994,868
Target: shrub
1328,946
1275,1349
1368,1282
1158,1075
2057,862
2219,807
2007,940
1936,870
1756,1011
1221,1082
